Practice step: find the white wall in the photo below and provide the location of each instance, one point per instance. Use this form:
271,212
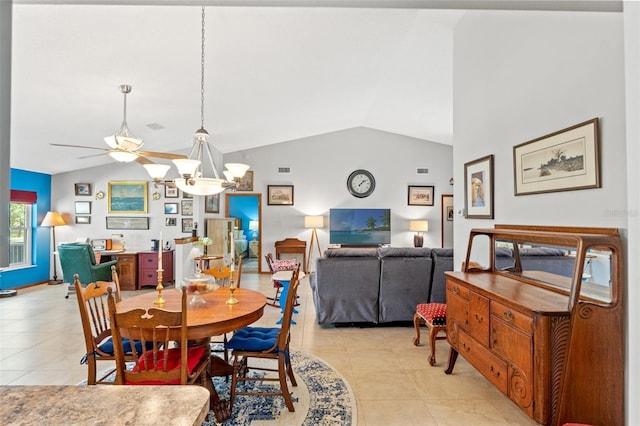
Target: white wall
320,166
319,169
521,75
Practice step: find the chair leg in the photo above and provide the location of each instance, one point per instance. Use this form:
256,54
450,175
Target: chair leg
433,332
417,319
92,373
282,374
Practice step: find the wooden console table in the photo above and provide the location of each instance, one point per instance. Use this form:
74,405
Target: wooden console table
552,343
139,269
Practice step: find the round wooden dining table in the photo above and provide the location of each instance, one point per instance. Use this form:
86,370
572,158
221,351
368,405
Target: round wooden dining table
213,318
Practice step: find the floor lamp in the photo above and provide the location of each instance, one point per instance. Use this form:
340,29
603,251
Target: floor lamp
313,222
53,219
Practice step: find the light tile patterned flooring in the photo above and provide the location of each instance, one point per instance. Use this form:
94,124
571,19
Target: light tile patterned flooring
41,343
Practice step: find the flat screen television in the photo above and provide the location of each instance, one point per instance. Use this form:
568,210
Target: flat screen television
360,227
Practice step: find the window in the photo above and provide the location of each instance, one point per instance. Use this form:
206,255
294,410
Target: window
20,228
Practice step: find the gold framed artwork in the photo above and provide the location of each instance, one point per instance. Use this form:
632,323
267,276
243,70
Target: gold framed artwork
128,197
478,188
562,161
246,183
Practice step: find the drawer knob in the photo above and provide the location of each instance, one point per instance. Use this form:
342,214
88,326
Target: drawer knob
465,347
478,317
456,289
508,315
494,372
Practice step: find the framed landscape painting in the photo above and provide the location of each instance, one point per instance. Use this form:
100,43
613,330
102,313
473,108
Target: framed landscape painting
128,197
562,161
280,195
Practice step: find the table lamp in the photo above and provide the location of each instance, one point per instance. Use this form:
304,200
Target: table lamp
313,222
53,219
253,226
418,226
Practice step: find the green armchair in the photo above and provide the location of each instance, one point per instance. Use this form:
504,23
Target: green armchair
80,259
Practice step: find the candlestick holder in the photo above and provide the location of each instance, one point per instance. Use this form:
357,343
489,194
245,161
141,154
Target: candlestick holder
159,300
232,287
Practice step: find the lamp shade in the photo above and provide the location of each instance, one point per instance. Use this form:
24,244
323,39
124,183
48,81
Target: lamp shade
314,221
53,219
157,171
419,225
123,156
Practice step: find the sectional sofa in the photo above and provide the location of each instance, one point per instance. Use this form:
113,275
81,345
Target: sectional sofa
377,285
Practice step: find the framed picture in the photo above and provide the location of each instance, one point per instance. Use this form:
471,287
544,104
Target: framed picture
128,197
170,191
246,183
83,219
187,225
212,203
83,188
187,207
280,195
420,195
83,207
121,222
562,161
446,221
186,195
170,221
170,208
478,188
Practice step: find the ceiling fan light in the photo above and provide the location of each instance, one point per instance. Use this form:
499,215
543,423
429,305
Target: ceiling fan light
200,186
157,171
228,175
237,170
186,166
123,156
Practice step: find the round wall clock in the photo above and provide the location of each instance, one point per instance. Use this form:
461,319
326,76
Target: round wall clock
361,183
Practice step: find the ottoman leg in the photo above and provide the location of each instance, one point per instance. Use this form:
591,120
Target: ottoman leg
416,323
433,333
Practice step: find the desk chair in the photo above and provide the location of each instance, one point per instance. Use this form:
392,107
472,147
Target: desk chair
160,362
94,314
265,343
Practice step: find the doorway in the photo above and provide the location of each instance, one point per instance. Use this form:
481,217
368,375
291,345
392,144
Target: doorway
247,209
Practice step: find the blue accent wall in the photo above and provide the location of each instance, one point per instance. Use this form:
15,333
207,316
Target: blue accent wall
41,249
245,208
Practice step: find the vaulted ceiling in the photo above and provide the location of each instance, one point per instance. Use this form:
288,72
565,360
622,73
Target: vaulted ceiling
272,73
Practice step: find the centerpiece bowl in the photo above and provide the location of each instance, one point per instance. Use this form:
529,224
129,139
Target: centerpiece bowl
197,285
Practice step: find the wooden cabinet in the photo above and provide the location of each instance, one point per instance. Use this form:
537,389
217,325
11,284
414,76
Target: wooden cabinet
127,268
552,343
148,268
221,233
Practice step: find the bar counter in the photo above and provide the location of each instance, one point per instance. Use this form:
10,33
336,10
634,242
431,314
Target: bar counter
103,405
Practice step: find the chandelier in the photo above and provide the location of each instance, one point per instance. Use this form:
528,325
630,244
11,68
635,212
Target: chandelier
192,178
124,143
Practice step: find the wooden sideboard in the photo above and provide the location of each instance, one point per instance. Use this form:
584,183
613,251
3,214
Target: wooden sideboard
138,269
551,341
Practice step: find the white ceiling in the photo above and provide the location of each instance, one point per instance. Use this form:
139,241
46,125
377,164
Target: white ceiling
272,74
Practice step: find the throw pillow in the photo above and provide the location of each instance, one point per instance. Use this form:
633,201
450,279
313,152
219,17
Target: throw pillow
283,265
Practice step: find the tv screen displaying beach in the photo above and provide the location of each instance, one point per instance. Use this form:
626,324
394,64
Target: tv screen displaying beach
360,227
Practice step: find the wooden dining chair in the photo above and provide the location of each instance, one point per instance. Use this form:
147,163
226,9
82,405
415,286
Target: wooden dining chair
94,315
165,357
265,343
276,265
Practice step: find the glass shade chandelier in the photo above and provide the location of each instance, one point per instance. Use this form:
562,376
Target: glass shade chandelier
124,143
192,178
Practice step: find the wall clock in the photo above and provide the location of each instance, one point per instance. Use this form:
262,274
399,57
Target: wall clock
361,183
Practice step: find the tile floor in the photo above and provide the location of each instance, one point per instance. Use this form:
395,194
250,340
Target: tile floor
41,343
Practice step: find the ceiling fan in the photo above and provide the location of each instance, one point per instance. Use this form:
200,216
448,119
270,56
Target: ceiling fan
123,145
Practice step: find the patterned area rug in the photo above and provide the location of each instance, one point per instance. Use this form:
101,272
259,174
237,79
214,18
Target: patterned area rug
322,397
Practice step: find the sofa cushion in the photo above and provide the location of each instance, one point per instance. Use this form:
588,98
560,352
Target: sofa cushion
504,252
405,252
541,251
346,252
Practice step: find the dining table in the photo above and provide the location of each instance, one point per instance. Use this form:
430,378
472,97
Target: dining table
213,318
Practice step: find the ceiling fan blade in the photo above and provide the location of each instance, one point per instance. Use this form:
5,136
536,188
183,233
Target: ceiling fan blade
79,146
92,155
164,155
143,160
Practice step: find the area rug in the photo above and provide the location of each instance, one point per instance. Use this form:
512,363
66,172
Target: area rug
322,397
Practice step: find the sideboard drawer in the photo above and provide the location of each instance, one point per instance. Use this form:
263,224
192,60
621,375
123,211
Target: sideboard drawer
513,344
510,316
457,289
492,367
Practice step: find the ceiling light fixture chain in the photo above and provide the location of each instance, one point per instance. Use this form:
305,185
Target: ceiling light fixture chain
191,169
